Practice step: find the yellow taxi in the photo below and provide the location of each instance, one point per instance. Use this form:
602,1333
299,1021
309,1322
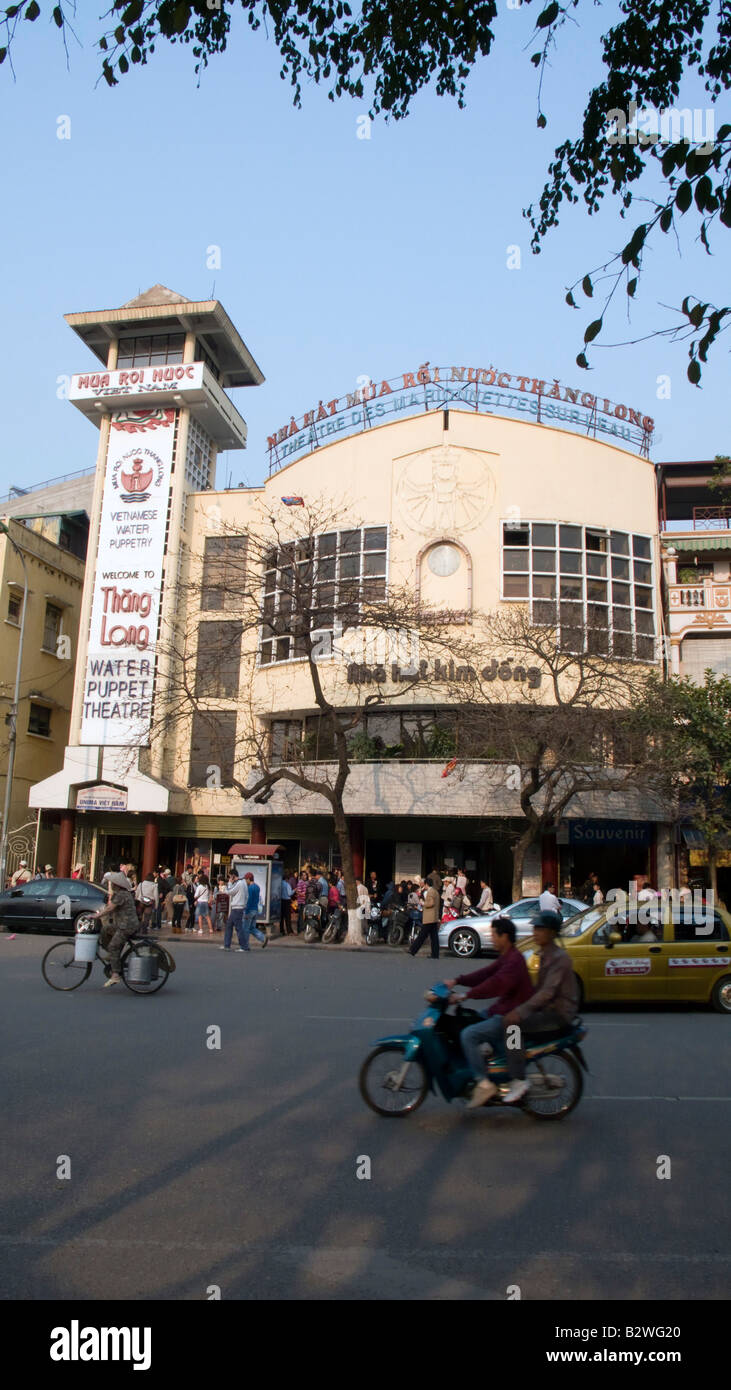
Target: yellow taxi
659,951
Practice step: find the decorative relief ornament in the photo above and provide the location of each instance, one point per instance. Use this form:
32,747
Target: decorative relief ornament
446,489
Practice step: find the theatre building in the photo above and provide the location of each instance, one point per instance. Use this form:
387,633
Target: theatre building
480,489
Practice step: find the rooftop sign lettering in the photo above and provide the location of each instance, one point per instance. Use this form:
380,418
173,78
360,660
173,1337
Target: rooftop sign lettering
482,389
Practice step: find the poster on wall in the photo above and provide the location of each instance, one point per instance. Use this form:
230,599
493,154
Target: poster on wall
407,861
120,665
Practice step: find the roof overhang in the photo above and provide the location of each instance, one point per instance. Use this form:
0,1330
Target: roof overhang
206,318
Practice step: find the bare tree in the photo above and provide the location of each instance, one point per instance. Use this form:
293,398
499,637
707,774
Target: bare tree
577,731
274,589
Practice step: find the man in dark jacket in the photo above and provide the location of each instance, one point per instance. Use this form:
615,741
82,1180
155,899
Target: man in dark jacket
551,1010
506,981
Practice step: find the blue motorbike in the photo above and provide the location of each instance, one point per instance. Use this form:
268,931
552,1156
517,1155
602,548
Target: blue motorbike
401,1069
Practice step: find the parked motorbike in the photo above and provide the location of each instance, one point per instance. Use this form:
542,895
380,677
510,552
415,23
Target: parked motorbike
396,1076
337,926
314,924
398,926
373,924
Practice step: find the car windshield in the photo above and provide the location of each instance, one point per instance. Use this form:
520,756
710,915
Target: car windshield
582,922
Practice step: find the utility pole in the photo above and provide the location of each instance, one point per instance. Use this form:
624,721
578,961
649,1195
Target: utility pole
13,719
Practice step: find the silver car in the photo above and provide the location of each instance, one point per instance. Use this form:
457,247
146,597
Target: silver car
468,936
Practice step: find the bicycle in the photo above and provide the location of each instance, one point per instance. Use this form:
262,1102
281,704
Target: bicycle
62,971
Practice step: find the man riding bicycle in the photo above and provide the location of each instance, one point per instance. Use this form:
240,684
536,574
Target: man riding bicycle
123,924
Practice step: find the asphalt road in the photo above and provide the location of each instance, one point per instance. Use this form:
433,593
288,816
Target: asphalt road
193,1168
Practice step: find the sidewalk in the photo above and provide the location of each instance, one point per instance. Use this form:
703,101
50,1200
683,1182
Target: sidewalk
287,942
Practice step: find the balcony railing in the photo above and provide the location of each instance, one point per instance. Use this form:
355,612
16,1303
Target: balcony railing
708,596
715,518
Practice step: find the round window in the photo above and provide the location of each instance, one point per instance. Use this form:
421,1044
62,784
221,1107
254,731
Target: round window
443,560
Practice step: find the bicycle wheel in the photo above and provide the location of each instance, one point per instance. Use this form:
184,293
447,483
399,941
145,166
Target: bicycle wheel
143,950
60,970
389,1084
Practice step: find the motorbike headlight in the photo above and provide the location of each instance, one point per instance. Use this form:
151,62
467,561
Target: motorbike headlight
428,1022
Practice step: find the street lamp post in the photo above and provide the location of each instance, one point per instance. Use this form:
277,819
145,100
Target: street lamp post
13,721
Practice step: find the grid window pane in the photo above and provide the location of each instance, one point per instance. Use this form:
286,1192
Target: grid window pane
643,597
620,568
597,615
544,613
646,648
596,564
307,595
572,562
543,534
571,537
516,560
515,585
622,644
643,572
572,614
596,590
641,548
622,619
620,543
544,561
645,623
544,586
349,566
597,641
572,588
375,564
621,593
515,534
374,590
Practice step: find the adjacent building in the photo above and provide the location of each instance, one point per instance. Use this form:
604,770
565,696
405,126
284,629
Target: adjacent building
45,545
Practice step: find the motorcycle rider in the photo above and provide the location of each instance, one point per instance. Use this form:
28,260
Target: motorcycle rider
551,1010
508,982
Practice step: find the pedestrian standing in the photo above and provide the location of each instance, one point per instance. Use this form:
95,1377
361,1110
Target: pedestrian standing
251,912
237,892
285,921
21,875
179,906
221,906
146,895
429,921
301,896
202,898
548,902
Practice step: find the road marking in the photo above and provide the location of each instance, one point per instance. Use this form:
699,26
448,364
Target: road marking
671,1098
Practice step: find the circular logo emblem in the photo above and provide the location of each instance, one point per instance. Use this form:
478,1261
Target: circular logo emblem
136,474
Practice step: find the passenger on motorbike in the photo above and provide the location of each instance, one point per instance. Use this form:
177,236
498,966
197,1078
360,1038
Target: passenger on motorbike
551,1010
505,980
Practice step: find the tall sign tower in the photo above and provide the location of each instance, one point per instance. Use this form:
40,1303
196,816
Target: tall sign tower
158,398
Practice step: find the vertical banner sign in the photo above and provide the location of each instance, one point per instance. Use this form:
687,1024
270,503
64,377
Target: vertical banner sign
120,664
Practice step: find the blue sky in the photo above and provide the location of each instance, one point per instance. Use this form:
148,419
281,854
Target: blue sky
340,257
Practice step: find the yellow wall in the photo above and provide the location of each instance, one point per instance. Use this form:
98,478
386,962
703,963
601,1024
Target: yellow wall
53,574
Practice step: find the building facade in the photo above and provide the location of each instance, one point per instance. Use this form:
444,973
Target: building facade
695,537
45,546
474,491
